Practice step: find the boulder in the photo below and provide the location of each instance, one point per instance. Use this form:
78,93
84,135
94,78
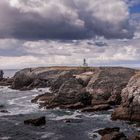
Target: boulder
130,107
22,79
36,122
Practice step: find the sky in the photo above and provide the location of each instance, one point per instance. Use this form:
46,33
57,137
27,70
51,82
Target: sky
63,32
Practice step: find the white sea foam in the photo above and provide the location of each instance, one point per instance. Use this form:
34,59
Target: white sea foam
69,115
19,102
47,135
5,138
93,134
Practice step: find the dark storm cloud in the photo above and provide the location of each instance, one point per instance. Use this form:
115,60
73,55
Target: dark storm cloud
63,19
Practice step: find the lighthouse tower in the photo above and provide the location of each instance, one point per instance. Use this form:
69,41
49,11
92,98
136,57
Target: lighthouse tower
85,64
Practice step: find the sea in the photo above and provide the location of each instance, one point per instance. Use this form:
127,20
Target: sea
83,126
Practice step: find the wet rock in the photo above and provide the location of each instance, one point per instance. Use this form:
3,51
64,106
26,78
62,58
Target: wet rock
96,108
4,111
36,122
1,106
130,107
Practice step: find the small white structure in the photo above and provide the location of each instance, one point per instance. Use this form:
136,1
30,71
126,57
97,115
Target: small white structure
85,64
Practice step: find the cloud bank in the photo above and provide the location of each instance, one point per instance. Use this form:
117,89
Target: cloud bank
47,53
64,19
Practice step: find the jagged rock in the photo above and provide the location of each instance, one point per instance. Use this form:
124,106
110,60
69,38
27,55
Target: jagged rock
130,107
36,122
96,108
71,92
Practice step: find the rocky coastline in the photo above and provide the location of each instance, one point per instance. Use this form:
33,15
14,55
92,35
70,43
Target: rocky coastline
88,89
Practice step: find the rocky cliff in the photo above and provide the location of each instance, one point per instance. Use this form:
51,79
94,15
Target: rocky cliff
130,106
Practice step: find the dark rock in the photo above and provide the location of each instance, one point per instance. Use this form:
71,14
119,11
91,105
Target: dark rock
1,106
36,122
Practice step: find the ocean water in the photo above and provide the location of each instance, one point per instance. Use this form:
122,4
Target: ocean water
9,72
19,107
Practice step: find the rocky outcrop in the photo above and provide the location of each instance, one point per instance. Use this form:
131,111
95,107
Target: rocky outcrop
70,95
130,107
43,77
76,87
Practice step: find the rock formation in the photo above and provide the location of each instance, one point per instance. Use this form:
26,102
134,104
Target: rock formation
90,88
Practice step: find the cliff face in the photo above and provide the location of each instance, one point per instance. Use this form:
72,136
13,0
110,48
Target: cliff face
130,107
78,87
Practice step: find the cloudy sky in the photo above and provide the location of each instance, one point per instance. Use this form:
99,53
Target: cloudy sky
63,32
